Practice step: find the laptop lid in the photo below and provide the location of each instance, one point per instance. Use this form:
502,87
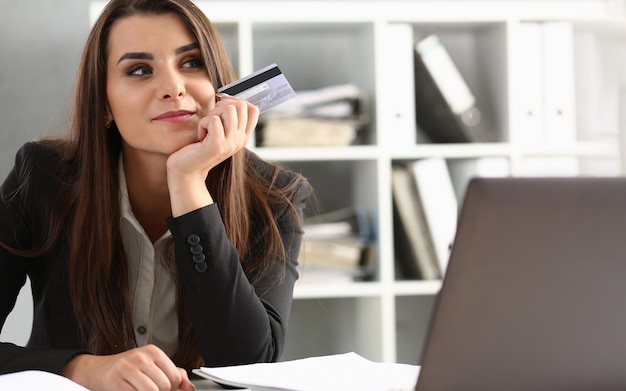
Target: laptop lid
534,297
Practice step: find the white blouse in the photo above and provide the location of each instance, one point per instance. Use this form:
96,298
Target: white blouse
152,288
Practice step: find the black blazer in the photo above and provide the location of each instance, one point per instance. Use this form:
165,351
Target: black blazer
248,327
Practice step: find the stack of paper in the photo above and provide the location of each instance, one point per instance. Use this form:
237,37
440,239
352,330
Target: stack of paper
37,381
340,372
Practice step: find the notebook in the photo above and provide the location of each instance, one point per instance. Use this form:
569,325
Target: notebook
534,297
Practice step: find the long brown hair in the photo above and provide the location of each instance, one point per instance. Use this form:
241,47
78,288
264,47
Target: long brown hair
97,265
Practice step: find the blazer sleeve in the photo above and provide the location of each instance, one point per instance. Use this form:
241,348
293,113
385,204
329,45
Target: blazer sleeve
234,322
18,216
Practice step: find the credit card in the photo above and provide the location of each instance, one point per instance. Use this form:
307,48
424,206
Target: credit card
265,88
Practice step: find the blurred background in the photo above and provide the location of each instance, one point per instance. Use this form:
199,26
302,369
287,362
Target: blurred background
40,47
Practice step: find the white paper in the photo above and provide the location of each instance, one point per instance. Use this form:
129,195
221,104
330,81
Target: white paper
38,381
340,372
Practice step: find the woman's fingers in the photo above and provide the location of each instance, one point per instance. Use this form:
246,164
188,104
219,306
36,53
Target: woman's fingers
143,368
248,114
185,384
160,369
228,127
237,117
253,119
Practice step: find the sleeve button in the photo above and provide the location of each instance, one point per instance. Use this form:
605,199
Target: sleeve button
198,258
196,249
193,239
201,267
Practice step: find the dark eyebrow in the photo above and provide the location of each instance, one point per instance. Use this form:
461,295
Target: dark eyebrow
186,48
148,56
135,56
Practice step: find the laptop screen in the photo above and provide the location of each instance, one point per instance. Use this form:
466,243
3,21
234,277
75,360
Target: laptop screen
534,297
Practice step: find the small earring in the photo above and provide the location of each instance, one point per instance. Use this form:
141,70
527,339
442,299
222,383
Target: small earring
107,123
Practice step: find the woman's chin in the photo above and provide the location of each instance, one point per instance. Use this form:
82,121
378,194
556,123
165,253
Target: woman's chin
177,143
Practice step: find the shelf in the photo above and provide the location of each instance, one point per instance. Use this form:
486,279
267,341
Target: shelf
451,151
414,11
416,288
608,148
340,153
365,289
337,290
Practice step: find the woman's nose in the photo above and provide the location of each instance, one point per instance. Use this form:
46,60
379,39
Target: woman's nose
171,85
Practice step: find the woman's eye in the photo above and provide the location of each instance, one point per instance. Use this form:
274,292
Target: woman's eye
195,62
140,70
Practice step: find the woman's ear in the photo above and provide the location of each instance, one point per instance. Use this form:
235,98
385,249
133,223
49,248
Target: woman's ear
108,119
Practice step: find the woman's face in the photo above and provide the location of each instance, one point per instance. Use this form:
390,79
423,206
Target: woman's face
157,87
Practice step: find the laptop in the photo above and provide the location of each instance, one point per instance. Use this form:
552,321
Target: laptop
534,297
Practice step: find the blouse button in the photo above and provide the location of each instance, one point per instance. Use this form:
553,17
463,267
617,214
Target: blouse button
142,330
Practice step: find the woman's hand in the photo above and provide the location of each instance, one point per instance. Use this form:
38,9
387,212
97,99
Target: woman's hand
143,368
224,131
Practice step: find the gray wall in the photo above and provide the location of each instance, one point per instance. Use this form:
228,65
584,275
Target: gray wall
40,46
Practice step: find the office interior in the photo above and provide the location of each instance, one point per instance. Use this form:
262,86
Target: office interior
385,318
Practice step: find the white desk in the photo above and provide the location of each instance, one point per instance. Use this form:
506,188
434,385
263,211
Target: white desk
347,371
207,385
38,381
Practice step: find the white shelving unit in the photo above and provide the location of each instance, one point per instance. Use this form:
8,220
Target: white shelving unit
320,43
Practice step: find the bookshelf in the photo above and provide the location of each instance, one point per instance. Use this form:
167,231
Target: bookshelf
321,43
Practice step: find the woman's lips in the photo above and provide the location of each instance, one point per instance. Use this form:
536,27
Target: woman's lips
177,116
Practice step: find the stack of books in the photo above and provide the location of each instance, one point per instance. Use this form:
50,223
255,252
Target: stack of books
337,246
327,116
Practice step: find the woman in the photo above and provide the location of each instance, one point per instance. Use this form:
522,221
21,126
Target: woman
154,241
